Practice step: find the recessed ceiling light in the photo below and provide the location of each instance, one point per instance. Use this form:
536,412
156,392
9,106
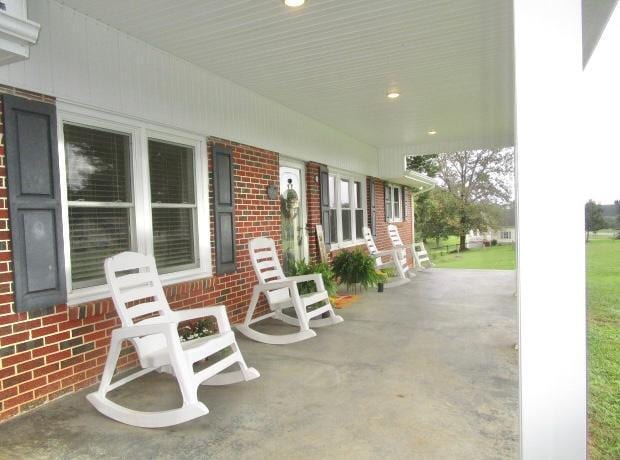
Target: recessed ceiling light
393,94
432,132
294,3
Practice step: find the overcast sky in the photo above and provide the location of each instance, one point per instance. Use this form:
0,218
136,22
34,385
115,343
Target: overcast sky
602,117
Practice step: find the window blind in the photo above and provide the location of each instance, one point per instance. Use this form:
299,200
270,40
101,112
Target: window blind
100,199
173,198
95,234
359,209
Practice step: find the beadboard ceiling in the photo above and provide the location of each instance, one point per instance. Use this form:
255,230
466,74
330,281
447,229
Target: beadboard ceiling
335,60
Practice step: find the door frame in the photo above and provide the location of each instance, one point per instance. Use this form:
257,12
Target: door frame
303,205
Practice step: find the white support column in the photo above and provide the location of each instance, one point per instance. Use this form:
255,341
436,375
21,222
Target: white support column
551,271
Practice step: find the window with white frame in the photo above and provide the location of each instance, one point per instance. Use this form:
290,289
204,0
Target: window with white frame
333,210
358,206
506,235
173,203
394,203
132,188
347,207
99,198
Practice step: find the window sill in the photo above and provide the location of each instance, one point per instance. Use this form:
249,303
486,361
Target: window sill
90,294
346,244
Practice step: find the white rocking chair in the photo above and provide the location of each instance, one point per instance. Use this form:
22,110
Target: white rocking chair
281,293
138,294
421,256
380,262
400,248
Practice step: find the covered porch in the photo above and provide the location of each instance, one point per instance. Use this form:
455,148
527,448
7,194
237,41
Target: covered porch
427,370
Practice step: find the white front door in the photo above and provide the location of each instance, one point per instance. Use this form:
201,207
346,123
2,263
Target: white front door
293,212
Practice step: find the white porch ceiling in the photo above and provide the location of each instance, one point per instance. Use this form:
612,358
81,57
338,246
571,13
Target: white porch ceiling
335,60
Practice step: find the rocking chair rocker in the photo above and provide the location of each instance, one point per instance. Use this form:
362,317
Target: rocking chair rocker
281,293
150,324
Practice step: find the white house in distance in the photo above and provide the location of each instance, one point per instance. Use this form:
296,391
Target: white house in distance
506,234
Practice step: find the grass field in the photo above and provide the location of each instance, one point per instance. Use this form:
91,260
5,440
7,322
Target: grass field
443,242
603,275
493,257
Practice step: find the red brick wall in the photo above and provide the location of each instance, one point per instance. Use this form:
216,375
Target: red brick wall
313,199
58,350
255,215
382,240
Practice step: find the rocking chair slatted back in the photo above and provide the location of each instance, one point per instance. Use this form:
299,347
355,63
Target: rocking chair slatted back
394,235
267,267
138,295
370,244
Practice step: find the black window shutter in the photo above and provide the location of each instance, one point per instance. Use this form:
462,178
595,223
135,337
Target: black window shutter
404,204
387,199
224,209
373,208
34,203
324,183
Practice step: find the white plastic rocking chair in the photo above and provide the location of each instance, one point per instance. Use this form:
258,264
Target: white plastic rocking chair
400,248
150,324
421,256
380,262
281,293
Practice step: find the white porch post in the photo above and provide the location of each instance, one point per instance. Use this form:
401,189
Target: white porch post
551,272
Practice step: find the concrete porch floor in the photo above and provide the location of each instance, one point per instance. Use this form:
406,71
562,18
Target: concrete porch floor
425,370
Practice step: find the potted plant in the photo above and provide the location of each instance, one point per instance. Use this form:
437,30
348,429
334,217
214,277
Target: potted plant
355,268
301,267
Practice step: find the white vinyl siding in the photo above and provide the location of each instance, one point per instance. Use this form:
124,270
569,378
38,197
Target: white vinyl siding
80,60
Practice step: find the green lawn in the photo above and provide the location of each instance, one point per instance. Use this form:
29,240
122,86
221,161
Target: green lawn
603,275
443,242
493,257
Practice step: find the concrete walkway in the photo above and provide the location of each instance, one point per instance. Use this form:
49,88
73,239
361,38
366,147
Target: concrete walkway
426,370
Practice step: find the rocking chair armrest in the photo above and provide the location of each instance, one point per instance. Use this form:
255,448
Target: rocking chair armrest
386,252
316,277
218,311
303,278
141,330
272,285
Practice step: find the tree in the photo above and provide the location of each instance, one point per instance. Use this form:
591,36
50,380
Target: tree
426,164
594,218
435,215
480,180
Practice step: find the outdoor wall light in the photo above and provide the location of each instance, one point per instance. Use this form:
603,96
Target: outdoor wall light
272,192
294,3
432,132
393,94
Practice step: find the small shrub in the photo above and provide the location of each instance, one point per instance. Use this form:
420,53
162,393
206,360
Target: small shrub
356,268
493,242
302,268
201,328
